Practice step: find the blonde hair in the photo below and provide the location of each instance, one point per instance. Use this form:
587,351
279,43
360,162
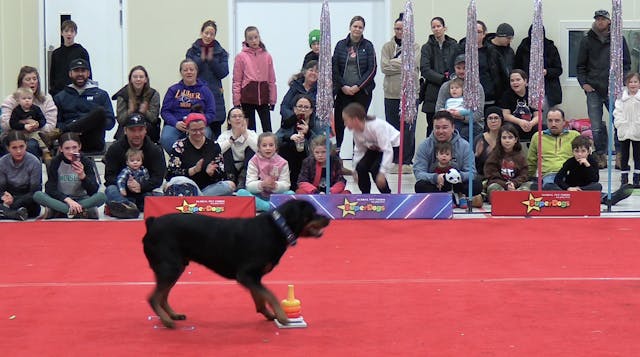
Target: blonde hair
22,92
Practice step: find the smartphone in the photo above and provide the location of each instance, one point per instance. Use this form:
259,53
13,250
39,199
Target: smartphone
76,156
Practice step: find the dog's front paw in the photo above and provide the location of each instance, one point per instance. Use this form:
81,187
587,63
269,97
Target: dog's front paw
268,314
283,319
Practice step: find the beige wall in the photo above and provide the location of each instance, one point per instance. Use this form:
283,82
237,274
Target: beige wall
18,40
160,31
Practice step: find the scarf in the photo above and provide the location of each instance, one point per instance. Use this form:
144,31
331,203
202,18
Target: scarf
205,48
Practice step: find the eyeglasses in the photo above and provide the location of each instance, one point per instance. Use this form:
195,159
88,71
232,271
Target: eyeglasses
303,107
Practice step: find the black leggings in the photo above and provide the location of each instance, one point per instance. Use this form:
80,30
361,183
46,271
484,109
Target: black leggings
624,150
264,113
370,165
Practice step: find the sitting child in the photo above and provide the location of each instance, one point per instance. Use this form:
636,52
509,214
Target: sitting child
506,166
580,173
455,103
133,171
444,155
267,173
30,119
312,179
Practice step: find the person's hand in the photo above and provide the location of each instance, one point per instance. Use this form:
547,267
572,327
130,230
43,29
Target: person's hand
381,180
133,185
211,168
587,88
144,106
268,184
355,89
78,168
74,207
574,189
7,199
440,180
181,126
347,90
456,114
302,127
511,186
123,192
583,161
197,167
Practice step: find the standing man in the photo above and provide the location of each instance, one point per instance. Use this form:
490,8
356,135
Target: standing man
593,75
424,169
84,108
501,41
130,205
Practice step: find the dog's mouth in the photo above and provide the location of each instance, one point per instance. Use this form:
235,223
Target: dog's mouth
315,228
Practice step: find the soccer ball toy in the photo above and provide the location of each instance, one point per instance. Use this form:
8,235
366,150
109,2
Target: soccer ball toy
453,176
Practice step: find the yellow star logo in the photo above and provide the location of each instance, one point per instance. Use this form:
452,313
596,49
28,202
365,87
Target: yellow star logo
186,207
348,207
532,203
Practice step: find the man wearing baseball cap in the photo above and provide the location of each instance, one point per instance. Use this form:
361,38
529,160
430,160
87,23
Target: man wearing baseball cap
592,67
84,108
135,137
501,41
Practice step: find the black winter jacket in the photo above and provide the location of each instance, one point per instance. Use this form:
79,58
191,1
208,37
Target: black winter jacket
436,66
552,63
366,58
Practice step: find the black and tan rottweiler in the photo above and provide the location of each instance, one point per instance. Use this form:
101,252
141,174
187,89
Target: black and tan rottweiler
244,249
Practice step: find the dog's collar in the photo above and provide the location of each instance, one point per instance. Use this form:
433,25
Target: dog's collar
284,228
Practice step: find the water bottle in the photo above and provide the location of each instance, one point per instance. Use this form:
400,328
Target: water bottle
300,144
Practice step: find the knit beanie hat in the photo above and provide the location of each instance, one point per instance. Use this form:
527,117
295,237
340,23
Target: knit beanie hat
314,36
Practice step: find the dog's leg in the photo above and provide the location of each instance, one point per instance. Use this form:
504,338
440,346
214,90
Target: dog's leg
261,306
155,300
261,296
165,305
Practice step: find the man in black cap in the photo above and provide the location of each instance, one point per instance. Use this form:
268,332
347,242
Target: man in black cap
84,108
592,67
115,160
501,41
459,68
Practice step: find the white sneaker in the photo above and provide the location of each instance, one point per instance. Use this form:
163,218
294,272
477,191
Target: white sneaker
394,169
407,169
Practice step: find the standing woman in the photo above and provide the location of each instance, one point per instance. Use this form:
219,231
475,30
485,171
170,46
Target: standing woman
190,94
254,80
20,178
436,66
138,97
238,144
28,77
354,67
391,64
72,183
213,66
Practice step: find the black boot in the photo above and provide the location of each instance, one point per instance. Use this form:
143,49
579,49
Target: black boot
20,214
620,194
636,180
624,178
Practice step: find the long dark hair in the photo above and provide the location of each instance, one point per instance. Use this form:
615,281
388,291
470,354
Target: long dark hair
146,90
13,135
507,128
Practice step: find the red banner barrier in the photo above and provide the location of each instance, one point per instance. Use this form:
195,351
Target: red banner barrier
545,203
215,206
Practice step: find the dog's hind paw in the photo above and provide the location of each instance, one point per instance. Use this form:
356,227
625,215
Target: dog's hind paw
178,317
169,324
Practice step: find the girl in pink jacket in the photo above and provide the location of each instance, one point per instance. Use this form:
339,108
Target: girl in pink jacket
254,80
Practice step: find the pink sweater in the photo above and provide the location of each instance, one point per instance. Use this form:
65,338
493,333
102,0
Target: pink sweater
260,167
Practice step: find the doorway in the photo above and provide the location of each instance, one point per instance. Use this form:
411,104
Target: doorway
100,31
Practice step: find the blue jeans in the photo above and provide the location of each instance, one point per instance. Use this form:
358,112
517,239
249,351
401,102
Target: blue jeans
113,195
221,188
170,135
594,109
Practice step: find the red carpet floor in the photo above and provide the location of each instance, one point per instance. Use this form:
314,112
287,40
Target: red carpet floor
481,287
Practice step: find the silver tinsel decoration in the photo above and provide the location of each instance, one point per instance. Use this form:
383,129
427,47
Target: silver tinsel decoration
615,71
324,99
408,108
472,78
536,64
